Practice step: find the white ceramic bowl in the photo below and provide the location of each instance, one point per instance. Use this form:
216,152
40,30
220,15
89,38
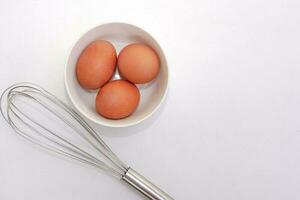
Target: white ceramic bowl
119,34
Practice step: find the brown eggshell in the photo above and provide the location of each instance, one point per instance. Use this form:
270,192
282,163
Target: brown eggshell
96,64
117,99
138,63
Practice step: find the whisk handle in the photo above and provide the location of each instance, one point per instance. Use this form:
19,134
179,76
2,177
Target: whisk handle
141,184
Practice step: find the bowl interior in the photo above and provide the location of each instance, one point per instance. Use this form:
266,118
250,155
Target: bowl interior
119,34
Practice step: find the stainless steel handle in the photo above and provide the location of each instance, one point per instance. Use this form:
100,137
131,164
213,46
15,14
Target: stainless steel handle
141,184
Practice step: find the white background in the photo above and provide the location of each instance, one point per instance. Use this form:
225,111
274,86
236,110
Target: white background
229,128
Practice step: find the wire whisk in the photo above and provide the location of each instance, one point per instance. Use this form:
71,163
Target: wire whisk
41,118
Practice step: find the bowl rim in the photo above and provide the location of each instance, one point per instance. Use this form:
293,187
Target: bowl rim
100,122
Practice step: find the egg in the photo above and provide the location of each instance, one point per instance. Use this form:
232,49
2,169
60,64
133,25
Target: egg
117,99
96,64
138,63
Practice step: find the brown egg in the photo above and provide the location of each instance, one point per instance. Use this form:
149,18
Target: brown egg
138,63
117,99
96,64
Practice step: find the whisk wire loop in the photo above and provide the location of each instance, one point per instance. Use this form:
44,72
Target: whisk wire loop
57,143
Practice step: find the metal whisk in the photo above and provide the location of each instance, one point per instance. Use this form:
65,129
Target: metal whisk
43,119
